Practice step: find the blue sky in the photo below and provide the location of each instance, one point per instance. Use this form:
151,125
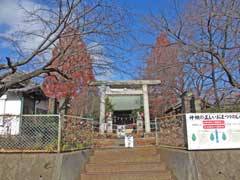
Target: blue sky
140,9
11,19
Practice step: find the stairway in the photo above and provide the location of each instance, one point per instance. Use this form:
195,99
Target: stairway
142,163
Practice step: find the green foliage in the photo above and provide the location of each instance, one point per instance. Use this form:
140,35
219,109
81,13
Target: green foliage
51,147
80,146
134,112
74,146
108,105
37,146
66,147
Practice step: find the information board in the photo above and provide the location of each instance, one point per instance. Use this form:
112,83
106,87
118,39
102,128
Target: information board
213,130
121,131
129,142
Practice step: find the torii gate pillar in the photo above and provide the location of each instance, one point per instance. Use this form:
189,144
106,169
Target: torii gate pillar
146,108
102,109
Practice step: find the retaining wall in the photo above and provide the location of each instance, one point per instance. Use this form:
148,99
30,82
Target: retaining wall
202,165
45,166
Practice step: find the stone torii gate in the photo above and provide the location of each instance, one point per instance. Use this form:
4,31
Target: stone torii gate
127,87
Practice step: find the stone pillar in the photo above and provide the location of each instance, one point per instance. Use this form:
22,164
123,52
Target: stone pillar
146,109
109,123
102,110
139,123
186,102
197,104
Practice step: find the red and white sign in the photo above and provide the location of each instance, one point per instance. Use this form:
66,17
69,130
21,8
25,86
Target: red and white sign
213,124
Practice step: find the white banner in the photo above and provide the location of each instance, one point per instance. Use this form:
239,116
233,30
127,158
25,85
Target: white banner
213,130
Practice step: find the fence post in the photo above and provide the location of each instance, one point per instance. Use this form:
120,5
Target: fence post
60,116
156,132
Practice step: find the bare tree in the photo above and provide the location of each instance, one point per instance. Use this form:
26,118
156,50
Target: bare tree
100,23
208,33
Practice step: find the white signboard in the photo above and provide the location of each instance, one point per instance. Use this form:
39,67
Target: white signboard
10,125
121,131
129,141
213,130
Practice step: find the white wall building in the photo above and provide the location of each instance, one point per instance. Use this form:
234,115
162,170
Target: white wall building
27,100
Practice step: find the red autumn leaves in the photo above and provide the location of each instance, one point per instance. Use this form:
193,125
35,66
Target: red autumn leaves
73,61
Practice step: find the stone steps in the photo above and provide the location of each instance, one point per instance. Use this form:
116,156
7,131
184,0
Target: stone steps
119,159
127,151
150,175
148,154
126,164
138,142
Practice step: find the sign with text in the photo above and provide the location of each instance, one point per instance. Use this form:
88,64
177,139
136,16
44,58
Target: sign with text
129,142
121,131
213,130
